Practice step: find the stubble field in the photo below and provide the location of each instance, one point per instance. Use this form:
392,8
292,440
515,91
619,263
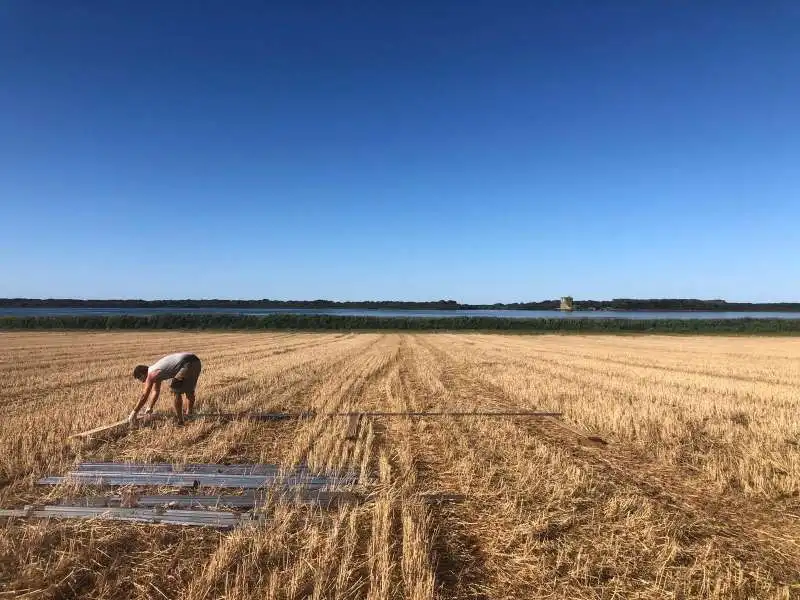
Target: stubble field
694,496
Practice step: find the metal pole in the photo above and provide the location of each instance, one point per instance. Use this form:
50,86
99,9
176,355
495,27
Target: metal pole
311,415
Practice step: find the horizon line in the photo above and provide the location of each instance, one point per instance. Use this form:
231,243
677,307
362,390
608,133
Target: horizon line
374,301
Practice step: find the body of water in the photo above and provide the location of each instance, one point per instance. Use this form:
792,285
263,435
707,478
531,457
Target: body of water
359,312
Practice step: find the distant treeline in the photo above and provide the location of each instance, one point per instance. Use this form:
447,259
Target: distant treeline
686,304
616,304
232,304
336,322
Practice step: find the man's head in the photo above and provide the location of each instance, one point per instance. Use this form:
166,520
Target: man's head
140,372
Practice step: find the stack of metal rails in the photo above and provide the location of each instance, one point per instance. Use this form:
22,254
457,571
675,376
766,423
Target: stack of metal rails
261,484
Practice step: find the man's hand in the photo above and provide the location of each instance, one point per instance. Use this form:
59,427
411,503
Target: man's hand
139,405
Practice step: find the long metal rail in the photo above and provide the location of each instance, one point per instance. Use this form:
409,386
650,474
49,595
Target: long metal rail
251,499
217,519
250,476
241,469
221,480
429,413
120,427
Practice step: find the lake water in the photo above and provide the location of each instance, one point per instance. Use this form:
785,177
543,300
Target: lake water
357,312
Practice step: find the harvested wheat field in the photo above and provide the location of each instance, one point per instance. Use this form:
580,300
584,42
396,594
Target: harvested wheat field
695,494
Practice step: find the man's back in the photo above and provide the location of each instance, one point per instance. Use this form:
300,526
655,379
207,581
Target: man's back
169,365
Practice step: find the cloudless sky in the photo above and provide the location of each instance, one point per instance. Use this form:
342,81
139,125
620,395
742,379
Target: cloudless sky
482,151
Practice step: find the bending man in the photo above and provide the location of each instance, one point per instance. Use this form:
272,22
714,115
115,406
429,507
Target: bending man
183,368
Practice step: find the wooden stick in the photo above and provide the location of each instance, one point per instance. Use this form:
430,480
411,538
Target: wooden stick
112,429
107,429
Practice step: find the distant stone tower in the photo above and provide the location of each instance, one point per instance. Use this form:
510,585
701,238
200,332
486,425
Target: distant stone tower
566,303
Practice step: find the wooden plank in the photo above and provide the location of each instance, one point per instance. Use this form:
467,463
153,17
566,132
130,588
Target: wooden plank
110,429
352,426
113,428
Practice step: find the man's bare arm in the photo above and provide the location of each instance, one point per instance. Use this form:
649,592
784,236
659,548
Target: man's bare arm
149,382
156,392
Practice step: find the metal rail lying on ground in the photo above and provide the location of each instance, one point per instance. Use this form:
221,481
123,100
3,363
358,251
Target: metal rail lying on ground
216,519
199,474
196,480
120,427
428,413
272,482
241,469
248,500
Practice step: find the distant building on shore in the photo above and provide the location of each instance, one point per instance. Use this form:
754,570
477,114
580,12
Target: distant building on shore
567,303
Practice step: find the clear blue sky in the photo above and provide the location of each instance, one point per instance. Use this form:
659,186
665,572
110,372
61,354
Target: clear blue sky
479,151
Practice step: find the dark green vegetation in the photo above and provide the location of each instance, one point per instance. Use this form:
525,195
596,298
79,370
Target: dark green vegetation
327,322
685,304
616,304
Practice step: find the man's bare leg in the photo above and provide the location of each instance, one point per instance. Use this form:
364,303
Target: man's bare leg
190,404
179,408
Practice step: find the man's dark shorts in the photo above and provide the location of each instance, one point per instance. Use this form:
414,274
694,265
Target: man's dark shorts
185,381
